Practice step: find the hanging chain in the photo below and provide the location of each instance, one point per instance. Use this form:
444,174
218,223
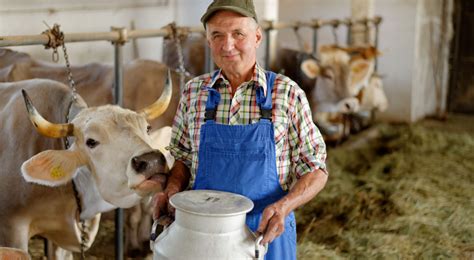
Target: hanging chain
175,36
335,24
72,83
56,38
299,38
181,68
82,222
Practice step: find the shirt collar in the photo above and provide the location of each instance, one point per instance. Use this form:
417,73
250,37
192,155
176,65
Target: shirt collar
258,79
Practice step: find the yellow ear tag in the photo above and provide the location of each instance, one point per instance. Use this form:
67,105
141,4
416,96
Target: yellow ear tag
57,172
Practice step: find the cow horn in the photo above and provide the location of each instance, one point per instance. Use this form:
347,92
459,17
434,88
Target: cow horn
156,109
42,125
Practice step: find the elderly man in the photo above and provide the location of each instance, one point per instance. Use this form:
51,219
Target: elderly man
245,130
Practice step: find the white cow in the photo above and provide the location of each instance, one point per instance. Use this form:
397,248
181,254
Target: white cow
111,149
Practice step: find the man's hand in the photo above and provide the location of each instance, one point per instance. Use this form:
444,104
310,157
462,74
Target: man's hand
163,212
272,223
273,217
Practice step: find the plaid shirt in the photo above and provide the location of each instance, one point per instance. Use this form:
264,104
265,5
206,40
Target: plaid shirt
300,148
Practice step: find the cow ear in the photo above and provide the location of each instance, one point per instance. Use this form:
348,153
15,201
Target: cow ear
51,167
310,68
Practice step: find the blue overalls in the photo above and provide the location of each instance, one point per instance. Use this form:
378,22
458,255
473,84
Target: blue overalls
241,159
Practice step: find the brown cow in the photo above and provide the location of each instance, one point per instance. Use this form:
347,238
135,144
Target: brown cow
193,50
111,160
143,80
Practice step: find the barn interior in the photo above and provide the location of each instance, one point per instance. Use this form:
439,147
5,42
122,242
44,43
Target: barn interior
401,182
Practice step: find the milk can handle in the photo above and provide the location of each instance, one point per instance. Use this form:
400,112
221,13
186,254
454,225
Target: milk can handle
154,231
156,223
257,246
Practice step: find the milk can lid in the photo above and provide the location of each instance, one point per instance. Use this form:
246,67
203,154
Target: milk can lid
211,203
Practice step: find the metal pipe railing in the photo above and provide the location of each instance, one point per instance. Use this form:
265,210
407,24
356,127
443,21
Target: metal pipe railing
316,23
146,33
113,36
118,100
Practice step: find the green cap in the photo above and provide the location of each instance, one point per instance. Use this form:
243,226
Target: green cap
243,7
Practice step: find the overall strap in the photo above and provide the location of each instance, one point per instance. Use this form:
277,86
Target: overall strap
265,102
213,100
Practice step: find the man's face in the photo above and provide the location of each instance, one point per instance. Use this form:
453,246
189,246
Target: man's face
233,40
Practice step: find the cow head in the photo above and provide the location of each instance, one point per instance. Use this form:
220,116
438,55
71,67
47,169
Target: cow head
342,73
112,142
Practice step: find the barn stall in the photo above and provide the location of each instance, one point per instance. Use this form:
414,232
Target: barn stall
403,187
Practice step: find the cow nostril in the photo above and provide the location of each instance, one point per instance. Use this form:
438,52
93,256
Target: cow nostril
139,165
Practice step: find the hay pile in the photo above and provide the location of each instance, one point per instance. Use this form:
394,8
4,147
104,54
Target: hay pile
407,193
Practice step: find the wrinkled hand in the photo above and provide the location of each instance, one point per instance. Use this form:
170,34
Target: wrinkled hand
163,212
272,223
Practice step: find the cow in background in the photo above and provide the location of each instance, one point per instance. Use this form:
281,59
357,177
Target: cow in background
344,84
193,50
347,86
111,158
143,82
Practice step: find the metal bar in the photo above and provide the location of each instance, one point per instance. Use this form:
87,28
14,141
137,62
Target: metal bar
48,248
287,25
112,36
349,34
267,49
119,234
42,39
118,100
207,61
376,23
315,41
376,46
118,87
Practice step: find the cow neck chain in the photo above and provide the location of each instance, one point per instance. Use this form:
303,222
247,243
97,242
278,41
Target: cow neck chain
76,194
300,40
179,48
55,39
72,84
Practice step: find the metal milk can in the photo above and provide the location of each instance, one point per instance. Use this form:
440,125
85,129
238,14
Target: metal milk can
208,225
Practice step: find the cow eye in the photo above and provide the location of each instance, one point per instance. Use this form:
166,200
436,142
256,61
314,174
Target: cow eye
148,129
91,143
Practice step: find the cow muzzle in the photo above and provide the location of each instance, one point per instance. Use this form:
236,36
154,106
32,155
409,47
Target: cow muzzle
152,169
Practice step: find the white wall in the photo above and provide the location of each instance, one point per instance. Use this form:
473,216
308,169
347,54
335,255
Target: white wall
434,33
189,12
306,10
396,42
